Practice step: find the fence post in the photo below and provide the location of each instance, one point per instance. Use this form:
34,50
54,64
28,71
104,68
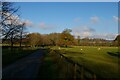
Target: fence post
61,56
94,77
75,71
81,75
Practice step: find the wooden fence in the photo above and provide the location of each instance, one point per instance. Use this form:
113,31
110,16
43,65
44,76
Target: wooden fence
80,72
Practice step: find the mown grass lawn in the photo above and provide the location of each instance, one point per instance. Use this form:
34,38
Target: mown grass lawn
95,59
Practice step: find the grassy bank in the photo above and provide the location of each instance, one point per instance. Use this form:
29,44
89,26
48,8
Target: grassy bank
54,67
10,56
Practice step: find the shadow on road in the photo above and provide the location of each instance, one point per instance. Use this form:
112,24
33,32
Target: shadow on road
26,68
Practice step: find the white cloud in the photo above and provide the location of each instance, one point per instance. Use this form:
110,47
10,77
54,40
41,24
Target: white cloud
11,19
83,31
76,20
14,19
9,16
115,18
108,36
94,19
42,25
28,23
45,26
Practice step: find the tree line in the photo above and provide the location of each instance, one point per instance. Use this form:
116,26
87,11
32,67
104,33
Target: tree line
64,39
13,32
67,40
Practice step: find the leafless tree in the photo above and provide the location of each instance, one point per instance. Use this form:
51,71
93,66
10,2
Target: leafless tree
11,25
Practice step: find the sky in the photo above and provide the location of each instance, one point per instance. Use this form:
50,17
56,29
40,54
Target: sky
85,19
62,0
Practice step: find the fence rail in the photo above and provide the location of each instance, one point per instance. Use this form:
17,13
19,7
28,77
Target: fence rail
79,70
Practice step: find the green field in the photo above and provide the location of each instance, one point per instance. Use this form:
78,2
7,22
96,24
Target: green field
95,59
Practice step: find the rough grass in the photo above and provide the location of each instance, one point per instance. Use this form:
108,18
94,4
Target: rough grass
54,67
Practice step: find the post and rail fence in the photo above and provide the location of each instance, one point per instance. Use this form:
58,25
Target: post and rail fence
80,72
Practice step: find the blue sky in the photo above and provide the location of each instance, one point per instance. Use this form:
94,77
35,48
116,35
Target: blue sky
87,19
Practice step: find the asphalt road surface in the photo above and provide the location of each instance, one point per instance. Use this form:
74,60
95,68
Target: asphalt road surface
24,69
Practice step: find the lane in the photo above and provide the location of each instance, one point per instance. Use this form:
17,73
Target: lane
26,68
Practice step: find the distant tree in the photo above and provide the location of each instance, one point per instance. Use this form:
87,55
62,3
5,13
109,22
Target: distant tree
66,38
78,39
45,40
54,38
85,41
117,40
67,31
34,39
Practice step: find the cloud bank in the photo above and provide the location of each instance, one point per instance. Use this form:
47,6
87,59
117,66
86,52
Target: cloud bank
76,20
85,31
45,26
94,19
116,19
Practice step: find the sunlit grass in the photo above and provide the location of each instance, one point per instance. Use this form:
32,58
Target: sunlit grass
95,58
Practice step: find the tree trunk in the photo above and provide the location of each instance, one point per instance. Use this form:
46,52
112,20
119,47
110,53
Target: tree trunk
21,36
66,46
12,41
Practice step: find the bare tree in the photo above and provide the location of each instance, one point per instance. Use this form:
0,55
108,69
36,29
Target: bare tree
22,32
6,21
12,27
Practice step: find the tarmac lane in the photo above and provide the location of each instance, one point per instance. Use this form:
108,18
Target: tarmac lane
24,69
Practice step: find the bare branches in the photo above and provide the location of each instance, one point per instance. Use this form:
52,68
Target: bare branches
11,25
8,16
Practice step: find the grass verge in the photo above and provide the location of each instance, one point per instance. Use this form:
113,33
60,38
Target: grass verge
9,57
54,67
